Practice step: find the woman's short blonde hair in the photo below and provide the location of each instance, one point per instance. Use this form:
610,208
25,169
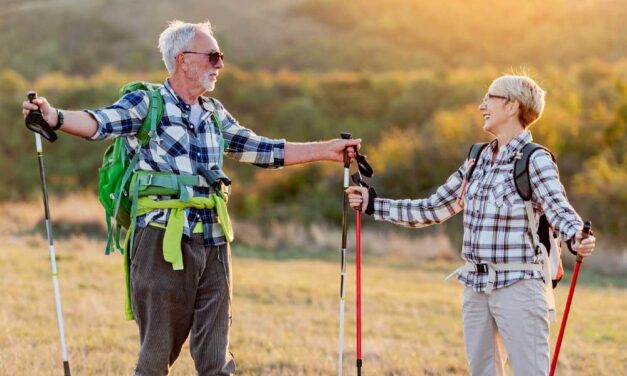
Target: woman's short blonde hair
526,92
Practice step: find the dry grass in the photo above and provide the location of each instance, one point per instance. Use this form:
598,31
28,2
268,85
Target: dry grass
285,312
285,317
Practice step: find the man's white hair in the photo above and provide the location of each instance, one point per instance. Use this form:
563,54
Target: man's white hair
176,38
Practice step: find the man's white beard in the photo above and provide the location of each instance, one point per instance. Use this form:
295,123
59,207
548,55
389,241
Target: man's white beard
207,83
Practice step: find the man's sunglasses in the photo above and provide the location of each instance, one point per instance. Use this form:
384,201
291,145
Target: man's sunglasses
214,57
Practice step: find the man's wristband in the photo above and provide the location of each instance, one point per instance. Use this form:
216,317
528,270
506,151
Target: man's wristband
60,120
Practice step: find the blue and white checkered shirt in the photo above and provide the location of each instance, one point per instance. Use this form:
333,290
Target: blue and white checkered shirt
496,228
181,148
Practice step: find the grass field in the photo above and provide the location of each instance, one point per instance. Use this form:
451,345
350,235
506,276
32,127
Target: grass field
285,316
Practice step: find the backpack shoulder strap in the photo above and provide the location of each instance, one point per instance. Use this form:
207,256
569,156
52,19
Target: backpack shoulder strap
473,155
218,123
155,111
148,129
521,169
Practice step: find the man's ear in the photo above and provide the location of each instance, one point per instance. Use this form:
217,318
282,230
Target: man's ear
180,61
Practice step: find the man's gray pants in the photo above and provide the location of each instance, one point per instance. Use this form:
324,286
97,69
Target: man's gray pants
169,304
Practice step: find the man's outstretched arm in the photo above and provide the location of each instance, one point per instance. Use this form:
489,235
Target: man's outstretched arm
76,123
333,150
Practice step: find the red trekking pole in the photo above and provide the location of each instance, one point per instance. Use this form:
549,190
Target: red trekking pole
357,180
584,234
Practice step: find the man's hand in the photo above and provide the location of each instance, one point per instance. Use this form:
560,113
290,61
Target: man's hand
358,198
336,149
585,247
49,113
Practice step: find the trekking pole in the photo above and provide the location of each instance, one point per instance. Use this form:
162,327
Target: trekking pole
587,226
345,136
358,287
357,180
35,122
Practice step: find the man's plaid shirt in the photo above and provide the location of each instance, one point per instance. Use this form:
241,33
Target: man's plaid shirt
181,148
496,228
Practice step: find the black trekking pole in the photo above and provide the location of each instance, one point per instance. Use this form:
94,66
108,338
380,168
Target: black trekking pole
36,123
345,136
587,227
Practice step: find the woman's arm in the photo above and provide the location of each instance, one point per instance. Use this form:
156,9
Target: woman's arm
549,192
439,207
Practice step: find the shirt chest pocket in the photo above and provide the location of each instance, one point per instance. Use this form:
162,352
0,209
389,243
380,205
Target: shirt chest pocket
504,195
474,185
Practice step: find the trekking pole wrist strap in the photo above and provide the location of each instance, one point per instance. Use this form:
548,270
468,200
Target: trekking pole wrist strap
372,195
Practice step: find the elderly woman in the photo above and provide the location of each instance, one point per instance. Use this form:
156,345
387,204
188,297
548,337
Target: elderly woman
505,299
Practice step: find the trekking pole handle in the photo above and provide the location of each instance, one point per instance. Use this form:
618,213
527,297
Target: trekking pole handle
346,136
35,121
32,95
587,229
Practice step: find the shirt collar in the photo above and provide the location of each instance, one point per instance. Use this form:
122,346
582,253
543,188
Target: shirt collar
515,145
206,104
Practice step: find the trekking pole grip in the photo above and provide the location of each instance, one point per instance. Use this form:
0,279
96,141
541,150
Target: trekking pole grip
587,229
346,136
35,121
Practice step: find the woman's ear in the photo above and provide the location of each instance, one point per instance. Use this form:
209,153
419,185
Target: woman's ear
513,107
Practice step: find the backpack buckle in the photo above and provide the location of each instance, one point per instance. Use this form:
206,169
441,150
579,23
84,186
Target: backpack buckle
482,268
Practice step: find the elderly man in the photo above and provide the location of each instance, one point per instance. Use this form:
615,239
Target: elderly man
169,304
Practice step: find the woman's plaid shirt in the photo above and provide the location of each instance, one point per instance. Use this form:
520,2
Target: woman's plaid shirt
496,228
180,147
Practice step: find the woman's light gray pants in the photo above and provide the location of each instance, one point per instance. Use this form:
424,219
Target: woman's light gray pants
509,321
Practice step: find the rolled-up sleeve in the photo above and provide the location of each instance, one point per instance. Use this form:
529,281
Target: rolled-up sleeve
242,144
549,193
123,118
439,207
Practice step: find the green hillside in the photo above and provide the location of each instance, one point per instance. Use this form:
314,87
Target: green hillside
81,36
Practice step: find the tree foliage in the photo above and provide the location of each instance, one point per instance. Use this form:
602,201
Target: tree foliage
416,126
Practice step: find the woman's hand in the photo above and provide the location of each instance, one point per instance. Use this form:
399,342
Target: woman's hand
585,247
358,198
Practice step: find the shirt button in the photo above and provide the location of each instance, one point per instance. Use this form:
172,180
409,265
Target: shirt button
198,154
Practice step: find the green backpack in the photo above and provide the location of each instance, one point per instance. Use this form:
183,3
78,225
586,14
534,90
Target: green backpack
116,170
